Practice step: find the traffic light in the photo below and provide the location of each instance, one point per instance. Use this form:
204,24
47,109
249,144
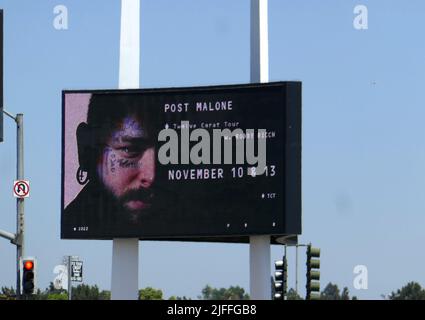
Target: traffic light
281,279
28,276
313,273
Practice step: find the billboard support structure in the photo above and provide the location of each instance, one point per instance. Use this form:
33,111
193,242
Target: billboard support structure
125,252
259,246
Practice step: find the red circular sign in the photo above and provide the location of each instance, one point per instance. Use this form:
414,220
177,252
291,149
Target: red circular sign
21,189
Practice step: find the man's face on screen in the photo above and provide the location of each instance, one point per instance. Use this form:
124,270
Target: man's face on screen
126,166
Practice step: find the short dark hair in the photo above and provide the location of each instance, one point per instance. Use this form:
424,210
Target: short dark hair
106,110
105,114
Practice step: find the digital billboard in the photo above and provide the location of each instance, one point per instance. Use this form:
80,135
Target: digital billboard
217,163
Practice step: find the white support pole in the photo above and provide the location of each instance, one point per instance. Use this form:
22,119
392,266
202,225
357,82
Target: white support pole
125,252
125,269
259,264
130,44
259,41
259,246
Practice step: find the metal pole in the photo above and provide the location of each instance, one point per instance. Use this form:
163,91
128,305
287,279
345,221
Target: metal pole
296,269
7,235
20,223
69,279
259,246
285,261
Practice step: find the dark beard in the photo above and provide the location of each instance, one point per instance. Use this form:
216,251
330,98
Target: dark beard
144,195
115,211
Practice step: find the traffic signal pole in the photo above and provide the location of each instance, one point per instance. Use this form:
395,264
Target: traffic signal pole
18,238
296,268
20,223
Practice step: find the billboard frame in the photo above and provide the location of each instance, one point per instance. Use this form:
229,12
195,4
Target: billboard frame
293,151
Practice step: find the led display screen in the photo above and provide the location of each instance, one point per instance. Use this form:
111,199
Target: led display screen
210,164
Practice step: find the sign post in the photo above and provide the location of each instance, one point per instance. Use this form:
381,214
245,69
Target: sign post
125,252
74,271
259,246
20,252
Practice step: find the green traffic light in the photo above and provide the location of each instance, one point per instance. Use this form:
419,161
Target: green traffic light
314,263
314,286
281,279
278,275
314,252
314,275
315,296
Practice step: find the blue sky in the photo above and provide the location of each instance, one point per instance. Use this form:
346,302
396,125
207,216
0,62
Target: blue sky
363,132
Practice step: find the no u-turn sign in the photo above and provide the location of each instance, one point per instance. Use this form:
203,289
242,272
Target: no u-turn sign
21,189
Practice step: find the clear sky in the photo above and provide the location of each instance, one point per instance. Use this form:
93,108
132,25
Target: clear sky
363,133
